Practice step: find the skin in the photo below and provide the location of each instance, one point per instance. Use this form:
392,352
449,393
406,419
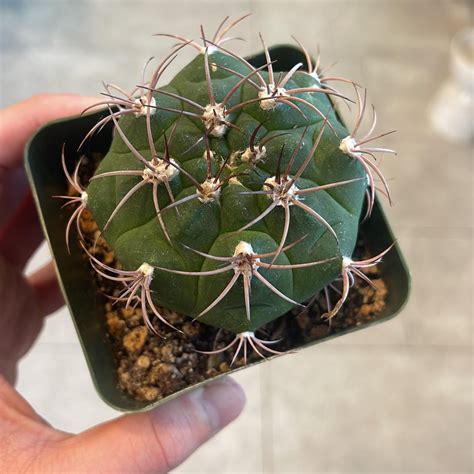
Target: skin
156,441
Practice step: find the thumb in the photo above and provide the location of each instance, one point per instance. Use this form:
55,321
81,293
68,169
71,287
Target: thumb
159,440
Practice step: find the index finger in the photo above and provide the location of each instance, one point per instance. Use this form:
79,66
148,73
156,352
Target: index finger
19,121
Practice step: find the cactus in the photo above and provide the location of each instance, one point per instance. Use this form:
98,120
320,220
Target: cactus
233,193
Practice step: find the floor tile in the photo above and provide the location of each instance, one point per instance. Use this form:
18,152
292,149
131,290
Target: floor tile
430,187
54,378
384,409
440,309
61,55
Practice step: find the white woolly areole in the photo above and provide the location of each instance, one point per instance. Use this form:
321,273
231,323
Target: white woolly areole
346,262
243,248
315,75
272,94
348,145
214,116
219,130
210,191
247,334
84,197
162,171
146,269
246,263
249,155
278,191
210,49
142,105
272,182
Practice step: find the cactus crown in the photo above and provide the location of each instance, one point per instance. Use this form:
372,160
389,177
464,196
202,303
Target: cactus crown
233,193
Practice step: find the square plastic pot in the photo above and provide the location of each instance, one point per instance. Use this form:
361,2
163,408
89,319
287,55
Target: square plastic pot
86,304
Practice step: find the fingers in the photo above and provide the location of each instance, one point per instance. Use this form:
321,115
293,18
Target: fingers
13,187
19,121
27,439
20,320
159,440
46,288
22,234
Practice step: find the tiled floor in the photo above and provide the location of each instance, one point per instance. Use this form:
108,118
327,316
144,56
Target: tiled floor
393,398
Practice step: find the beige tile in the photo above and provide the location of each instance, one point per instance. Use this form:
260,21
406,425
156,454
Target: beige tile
40,257
459,12
58,328
238,449
105,26
92,42
357,27
401,93
440,309
430,180
431,186
61,72
54,378
314,23
377,409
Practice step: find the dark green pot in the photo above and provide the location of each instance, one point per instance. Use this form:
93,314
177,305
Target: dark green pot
86,304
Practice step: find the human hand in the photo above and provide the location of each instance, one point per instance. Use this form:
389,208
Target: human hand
155,441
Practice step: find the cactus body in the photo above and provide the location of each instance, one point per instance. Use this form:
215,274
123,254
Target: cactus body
212,225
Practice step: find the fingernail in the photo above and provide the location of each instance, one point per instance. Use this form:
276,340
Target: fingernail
222,401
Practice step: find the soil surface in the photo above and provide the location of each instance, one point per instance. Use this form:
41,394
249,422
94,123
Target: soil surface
150,367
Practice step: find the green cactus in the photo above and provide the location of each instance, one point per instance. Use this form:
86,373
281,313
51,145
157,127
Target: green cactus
231,194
